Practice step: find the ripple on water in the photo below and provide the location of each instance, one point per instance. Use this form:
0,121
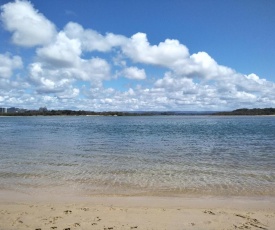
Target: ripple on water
139,155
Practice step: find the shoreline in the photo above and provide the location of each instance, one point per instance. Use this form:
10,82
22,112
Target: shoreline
9,196
157,202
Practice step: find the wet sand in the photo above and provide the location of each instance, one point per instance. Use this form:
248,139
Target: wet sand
53,212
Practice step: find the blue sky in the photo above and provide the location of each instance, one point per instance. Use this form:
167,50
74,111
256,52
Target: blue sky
137,55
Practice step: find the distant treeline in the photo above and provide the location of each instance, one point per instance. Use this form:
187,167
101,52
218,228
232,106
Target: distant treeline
69,113
85,113
256,111
45,112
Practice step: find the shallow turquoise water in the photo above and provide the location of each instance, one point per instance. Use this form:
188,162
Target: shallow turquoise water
158,155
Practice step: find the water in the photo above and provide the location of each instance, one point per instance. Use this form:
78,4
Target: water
158,155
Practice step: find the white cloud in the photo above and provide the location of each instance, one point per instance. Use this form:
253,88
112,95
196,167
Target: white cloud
47,80
29,27
8,64
172,92
95,70
63,52
60,64
134,73
56,80
69,93
91,40
203,66
174,56
166,54
172,83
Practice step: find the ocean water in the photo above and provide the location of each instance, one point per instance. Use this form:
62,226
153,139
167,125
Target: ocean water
150,155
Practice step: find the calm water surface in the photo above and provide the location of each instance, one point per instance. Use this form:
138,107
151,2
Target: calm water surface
158,155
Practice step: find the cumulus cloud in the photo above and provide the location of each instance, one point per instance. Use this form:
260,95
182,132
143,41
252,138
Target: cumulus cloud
203,66
57,80
166,54
174,56
48,81
134,73
60,64
8,63
91,40
95,70
173,83
63,52
28,26
69,93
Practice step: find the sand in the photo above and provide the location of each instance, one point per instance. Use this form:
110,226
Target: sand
136,213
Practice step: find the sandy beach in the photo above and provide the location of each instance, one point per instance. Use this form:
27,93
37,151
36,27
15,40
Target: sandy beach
136,213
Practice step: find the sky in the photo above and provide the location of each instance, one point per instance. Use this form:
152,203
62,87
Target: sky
145,55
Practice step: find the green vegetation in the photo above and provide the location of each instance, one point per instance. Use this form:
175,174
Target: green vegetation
67,113
44,112
255,111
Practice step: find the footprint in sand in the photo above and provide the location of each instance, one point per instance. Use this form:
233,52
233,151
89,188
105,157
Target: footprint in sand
98,219
209,212
4,212
68,212
250,222
56,218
